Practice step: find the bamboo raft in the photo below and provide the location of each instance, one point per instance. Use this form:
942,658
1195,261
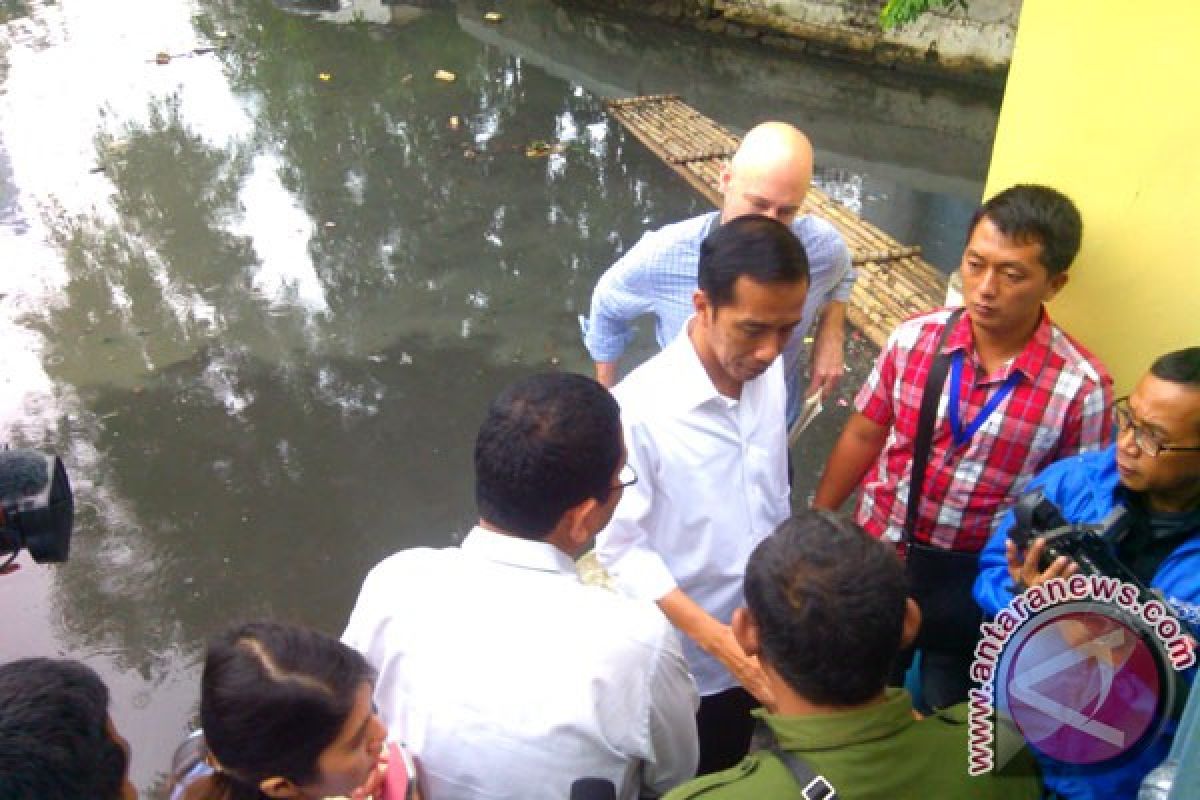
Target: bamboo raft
894,282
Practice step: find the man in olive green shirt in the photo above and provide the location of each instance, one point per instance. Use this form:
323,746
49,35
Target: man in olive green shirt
827,614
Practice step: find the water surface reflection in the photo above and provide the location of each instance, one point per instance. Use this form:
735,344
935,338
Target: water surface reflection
263,292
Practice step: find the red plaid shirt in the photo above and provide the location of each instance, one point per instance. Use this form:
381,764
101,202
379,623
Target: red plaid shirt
1061,405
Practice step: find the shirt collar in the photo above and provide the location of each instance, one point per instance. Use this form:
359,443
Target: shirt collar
693,387
514,551
1029,361
843,728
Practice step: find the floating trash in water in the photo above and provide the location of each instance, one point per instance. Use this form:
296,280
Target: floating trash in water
405,359
540,149
325,76
493,17
453,122
162,58
444,75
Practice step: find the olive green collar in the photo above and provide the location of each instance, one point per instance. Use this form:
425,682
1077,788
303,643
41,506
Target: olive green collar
816,732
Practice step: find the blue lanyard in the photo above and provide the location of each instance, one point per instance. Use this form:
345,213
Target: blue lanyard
962,437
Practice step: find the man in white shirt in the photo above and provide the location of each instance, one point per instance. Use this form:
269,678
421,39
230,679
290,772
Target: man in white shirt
506,675
704,423
770,175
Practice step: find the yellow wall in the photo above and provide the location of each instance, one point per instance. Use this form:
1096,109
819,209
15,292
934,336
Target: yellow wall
1103,103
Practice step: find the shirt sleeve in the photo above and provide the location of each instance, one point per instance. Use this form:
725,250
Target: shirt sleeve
620,296
362,629
992,585
845,267
624,546
1089,421
672,719
874,399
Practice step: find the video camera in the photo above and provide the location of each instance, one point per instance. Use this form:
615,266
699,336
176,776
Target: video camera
1087,545
37,508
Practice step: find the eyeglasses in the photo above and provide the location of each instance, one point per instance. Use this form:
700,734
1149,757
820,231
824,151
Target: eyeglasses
1146,440
625,478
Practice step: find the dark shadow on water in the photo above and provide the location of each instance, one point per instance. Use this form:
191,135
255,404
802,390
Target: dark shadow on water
277,510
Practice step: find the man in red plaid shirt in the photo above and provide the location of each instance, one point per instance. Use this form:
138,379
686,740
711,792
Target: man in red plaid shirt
1020,395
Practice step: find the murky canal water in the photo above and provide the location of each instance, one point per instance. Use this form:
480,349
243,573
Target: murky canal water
258,296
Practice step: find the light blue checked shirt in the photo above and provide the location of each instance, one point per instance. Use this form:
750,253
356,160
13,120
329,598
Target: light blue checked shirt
658,275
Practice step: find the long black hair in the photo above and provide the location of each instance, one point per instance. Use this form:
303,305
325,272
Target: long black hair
273,697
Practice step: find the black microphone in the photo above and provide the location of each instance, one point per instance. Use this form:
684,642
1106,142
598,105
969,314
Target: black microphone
36,506
593,789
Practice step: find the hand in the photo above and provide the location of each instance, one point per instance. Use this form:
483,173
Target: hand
1024,572
606,373
723,646
373,786
828,363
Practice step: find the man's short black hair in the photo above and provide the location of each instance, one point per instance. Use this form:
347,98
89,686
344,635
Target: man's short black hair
1180,366
549,442
1028,213
829,602
55,741
757,247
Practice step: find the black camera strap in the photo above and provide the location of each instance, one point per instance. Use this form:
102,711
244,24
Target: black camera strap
922,443
813,786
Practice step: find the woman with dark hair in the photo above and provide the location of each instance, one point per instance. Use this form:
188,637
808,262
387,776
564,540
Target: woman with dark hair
287,713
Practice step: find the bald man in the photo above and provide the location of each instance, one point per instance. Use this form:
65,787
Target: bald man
769,175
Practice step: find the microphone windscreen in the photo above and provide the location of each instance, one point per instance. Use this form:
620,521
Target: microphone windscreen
22,473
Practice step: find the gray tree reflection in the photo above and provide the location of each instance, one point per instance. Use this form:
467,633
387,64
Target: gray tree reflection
278,344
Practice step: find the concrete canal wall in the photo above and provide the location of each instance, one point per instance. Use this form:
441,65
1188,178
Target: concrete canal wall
973,45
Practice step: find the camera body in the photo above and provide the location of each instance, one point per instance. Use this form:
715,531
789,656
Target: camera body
1087,545
37,508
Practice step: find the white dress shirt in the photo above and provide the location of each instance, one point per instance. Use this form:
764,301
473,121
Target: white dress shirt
509,678
712,483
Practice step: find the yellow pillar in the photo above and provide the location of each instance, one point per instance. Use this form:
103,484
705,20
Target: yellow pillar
1103,103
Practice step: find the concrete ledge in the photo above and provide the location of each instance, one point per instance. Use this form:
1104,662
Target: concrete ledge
974,46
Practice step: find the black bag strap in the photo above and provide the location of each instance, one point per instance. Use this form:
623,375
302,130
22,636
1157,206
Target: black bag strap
813,786
922,444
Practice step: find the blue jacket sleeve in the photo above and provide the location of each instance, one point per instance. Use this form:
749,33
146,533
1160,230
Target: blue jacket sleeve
992,591
1080,492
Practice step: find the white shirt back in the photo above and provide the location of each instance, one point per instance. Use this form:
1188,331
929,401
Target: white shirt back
509,678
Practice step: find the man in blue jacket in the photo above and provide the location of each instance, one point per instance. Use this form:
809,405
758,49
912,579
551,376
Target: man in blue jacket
1153,472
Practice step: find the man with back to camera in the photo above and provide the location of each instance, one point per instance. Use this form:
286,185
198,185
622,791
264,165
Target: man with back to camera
827,614
57,741
704,423
1020,395
506,675
769,175
1152,471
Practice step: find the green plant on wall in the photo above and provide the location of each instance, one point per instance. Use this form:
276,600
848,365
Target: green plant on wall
901,12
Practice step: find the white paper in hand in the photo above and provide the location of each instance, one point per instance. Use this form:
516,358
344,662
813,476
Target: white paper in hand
812,407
